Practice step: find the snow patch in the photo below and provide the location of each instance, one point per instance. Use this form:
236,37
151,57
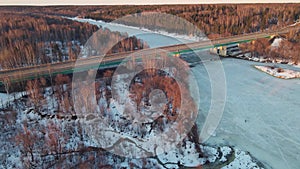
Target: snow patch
279,72
276,42
242,160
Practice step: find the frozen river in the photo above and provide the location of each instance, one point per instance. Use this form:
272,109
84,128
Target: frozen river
261,112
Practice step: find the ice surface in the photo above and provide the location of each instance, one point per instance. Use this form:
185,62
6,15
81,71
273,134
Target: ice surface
261,113
153,38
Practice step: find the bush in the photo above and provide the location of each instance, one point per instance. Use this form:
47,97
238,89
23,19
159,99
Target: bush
280,70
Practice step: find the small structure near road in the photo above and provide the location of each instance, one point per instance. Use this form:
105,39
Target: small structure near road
226,51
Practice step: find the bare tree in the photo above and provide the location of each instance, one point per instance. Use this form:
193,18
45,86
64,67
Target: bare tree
54,140
27,140
107,76
34,92
7,84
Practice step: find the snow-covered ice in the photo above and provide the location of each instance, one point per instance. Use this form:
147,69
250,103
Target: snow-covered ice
261,113
153,38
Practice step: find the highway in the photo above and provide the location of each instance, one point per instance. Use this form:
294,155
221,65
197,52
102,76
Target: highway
109,61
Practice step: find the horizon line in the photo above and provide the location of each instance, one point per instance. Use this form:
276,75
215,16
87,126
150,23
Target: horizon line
141,4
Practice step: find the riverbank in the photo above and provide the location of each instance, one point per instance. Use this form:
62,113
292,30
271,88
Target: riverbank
246,56
275,71
279,72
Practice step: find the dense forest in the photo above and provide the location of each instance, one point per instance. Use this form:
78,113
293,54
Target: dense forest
214,20
29,39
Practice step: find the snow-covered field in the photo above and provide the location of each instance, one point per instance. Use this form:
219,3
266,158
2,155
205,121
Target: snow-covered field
184,155
5,98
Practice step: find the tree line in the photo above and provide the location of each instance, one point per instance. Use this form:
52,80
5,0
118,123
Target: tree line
214,20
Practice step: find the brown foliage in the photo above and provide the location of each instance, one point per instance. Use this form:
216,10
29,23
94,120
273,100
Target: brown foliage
151,80
224,19
54,140
26,140
34,92
62,94
25,38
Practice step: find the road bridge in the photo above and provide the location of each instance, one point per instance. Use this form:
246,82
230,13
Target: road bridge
113,60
